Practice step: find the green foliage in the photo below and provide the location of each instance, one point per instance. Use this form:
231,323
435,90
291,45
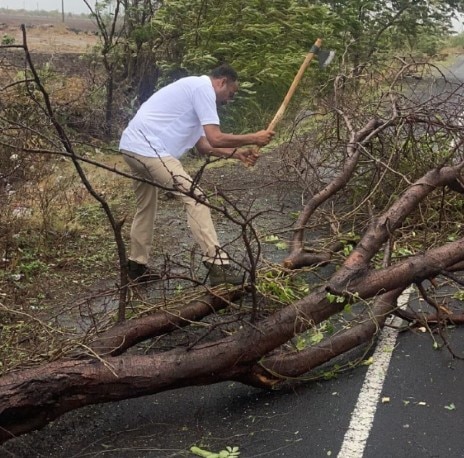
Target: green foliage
280,244
265,41
30,266
456,40
228,452
282,288
349,241
314,336
331,373
401,252
334,298
428,45
7,40
376,28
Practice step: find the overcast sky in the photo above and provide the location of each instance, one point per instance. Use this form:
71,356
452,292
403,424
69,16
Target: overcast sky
70,6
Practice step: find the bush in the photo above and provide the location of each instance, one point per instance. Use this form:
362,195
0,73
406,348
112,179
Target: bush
7,40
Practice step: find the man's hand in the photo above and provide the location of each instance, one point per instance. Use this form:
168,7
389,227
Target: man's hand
263,137
248,156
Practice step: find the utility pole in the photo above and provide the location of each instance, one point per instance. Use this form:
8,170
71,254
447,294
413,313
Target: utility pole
62,10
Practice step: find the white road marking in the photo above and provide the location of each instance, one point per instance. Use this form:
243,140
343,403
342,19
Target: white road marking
362,417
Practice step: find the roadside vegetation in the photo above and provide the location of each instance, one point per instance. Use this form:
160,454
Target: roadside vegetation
371,146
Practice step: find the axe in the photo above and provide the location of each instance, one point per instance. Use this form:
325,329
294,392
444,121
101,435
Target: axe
324,58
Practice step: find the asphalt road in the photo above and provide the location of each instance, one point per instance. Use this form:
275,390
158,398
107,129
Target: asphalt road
425,415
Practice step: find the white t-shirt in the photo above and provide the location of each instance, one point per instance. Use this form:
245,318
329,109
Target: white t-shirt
171,121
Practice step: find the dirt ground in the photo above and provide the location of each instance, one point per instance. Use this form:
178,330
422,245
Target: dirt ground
49,33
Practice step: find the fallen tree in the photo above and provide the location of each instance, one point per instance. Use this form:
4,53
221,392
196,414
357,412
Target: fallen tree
31,398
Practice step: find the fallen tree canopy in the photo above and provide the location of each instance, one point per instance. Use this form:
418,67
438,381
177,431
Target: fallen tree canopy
31,398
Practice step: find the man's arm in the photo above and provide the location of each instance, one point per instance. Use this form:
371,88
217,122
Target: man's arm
247,155
218,139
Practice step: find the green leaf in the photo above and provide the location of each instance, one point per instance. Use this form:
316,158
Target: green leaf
271,239
301,343
368,362
229,452
203,453
317,337
331,297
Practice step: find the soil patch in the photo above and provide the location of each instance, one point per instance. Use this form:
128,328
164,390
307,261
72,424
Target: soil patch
49,34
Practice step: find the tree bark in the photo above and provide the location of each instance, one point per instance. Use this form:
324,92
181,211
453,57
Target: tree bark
297,257
276,370
125,335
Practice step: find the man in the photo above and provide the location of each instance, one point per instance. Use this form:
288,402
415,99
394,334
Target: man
174,119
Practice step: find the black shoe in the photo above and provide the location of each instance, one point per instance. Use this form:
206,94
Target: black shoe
141,273
223,273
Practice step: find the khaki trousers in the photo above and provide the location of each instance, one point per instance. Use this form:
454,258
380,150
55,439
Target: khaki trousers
168,172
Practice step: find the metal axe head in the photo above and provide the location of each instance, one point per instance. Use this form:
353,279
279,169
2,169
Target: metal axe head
323,56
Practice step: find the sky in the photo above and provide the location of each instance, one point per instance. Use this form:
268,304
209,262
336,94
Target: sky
70,6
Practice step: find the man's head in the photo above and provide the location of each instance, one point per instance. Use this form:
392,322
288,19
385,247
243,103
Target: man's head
224,79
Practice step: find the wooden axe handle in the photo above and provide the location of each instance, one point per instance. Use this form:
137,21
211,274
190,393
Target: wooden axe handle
280,112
